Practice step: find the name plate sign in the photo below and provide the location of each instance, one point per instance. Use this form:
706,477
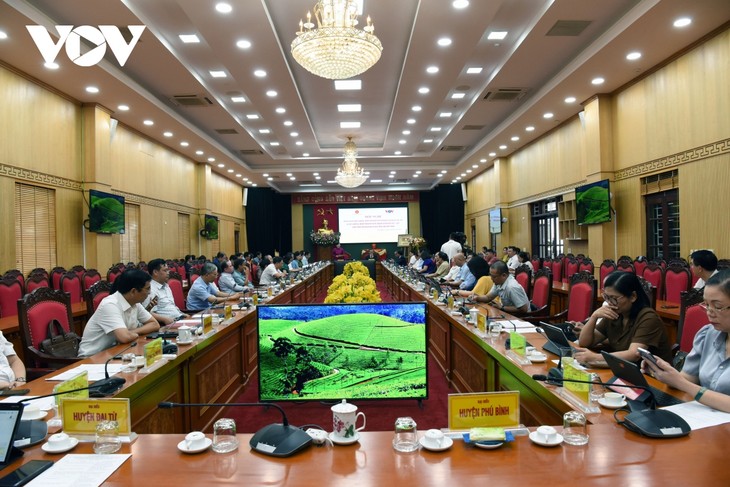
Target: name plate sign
481,323
228,312
517,343
80,416
207,324
484,409
78,382
580,390
152,352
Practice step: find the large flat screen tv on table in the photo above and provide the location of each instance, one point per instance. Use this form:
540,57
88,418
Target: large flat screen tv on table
329,352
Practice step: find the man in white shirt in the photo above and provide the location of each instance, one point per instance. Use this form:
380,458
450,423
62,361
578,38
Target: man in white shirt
704,265
272,273
12,370
513,262
160,302
120,317
226,281
451,247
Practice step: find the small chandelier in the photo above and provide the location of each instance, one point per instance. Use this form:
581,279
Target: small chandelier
336,49
350,175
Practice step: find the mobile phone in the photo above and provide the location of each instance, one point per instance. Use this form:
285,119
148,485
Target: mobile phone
25,473
647,355
14,392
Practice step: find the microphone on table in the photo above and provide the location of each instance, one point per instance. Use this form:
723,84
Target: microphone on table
277,440
109,385
651,422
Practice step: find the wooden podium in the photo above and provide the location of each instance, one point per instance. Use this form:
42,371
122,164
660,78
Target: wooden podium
324,252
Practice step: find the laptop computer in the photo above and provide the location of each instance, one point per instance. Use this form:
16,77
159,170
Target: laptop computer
628,373
10,416
556,338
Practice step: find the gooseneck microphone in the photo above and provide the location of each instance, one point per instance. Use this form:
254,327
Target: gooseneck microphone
109,385
277,440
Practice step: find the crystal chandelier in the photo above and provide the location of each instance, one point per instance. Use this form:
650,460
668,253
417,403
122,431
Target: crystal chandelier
336,49
350,175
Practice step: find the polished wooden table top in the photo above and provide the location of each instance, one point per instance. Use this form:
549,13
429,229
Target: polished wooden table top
613,457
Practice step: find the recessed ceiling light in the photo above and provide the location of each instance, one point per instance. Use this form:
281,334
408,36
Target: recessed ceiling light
435,129
221,165
230,170
497,35
349,107
633,56
264,131
376,180
317,177
502,147
253,184
269,179
294,134
199,152
184,143
315,174
51,65
392,172
597,81
570,99
274,144
92,89
418,172
238,99
463,174
445,114
547,115
349,125
280,110
397,153
149,123
266,175
482,161
406,132
167,134
293,178
460,4
529,128
682,22
271,93
211,159
432,69
218,74
411,121
288,123
468,171
415,176
514,138
245,179
299,142
444,41
402,142
224,8
492,154
259,73
238,175
423,90
457,96
348,84
473,70
306,154
416,108
427,141
444,171
243,44
288,174
3,35
189,38
252,116
123,108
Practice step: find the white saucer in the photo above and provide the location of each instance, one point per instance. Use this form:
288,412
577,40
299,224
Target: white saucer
440,303
446,443
537,357
488,446
72,442
337,440
536,439
40,415
606,405
184,343
183,448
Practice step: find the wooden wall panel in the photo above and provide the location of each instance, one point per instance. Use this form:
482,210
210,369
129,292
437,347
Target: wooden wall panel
69,238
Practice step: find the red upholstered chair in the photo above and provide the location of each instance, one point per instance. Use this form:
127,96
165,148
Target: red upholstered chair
723,264
35,312
90,277
677,278
607,267
254,273
660,262
536,263
36,280
194,274
640,264
558,270
571,267
542,292
691,318
39,270
580,257
523,275
655,275
547,263
176,286
17,275
625,265
93,296
581,299
649,290
586,265
79,270
56,274
10,292
114,272
142,265
71,284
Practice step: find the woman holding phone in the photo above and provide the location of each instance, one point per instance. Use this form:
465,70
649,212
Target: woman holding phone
706,371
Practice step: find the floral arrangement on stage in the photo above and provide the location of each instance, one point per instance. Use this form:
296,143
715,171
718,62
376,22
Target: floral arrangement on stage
330,238
416,243
354,285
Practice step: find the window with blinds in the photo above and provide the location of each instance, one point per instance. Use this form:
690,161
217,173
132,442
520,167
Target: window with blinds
35,227
130,238
183,235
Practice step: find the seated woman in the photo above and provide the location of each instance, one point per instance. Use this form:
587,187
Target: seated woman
524,259
338,253
428,266
480,269
705,374
628,323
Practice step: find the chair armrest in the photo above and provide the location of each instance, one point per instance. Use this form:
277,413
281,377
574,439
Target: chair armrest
52,358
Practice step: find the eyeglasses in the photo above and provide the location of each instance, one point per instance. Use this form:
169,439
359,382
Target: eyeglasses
611,299
713,308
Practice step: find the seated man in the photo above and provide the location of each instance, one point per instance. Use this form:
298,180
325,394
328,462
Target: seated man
161,302
272,273
400,258
120,317
12,370
442,265
512,296
374,253
242,273
227,283
204,293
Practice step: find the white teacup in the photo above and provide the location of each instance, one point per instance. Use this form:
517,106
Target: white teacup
31,412
433,438
344,419
613,398
184,334
195,440
139,361
59,440
546,434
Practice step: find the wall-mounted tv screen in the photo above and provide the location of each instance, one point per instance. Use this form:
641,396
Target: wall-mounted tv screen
342,351
495,220
211,227
593,203
106,212
369,225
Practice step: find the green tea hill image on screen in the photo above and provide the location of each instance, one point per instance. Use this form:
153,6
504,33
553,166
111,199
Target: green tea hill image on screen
365,356
106,215
592,205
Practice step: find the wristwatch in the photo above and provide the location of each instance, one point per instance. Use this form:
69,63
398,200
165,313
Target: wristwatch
20,379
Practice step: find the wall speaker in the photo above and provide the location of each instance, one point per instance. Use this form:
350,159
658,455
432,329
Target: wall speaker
463,191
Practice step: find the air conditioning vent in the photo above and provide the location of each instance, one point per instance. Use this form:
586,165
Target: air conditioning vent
506,94
250,152
226,131
472,127
452,148
191,100
568,28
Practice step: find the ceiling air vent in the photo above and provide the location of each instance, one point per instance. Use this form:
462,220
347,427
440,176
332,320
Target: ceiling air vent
452,148
506,94
472,127
192,100
250,152
568,28
226,131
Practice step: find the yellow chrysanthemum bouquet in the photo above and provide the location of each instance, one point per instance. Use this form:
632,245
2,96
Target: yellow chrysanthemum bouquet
354,285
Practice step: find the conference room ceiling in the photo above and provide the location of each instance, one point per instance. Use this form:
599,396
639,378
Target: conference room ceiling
552,51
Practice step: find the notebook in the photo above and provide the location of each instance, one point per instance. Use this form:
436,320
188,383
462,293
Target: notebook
10,416
629,373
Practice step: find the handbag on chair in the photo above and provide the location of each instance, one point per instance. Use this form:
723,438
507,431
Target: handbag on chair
60,343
